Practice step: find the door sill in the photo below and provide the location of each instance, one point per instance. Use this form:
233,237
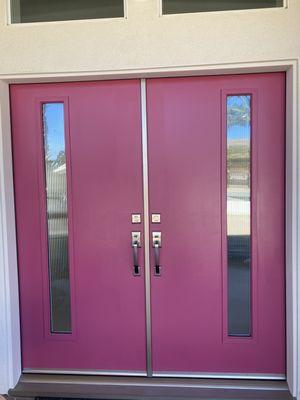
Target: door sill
133,388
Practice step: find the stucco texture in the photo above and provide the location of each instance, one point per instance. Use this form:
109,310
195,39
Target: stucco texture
145,40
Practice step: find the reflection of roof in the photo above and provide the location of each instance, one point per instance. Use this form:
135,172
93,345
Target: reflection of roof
60,170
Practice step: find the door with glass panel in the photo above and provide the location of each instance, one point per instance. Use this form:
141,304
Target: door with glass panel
215,161
78,180
216,179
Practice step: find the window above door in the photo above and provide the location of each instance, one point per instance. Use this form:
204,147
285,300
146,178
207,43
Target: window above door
192,6
24,11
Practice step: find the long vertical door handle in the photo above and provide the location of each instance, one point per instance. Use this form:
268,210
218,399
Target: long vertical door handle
136,243
156,241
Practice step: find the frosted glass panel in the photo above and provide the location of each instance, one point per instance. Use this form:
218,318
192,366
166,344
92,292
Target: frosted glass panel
57,216
63,10
189,6
239,214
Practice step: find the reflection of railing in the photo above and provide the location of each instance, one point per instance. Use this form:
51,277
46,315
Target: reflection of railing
56,215
238,178
58,227
56,205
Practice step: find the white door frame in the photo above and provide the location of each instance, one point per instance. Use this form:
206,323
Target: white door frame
10,351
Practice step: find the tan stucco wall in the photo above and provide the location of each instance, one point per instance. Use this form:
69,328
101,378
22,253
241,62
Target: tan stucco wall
146,40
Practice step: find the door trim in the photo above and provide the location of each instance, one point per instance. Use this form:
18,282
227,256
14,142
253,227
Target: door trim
10,340
146,227
147,281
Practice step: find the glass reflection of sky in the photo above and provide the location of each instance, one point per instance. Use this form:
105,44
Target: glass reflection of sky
237,132
238,120
54,119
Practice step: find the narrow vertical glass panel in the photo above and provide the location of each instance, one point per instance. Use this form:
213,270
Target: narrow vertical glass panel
57,216
64,10
190,6
239,214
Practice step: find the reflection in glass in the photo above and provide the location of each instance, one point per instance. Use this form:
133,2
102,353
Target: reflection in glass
64,10
190,6
238,214
57,217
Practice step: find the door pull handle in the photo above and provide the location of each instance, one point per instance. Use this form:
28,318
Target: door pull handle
156,241
136,243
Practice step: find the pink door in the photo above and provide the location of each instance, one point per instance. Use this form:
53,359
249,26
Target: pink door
216,177
216,202
78,180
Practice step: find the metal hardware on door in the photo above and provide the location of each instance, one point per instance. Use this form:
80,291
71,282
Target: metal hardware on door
136,243
155,218
156,242
136,218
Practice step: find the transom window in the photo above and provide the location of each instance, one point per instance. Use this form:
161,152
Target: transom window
64,10
190,6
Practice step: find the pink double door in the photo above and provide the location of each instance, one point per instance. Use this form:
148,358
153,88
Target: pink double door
196,286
